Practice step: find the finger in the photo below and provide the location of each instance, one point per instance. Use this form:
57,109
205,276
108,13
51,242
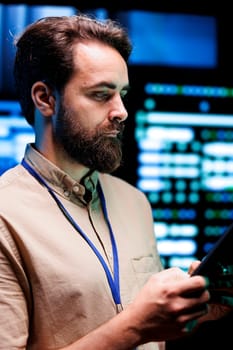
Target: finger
194,287
195,307
190,320
194,265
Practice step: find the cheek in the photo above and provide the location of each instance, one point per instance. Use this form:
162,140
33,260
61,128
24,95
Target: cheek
88,114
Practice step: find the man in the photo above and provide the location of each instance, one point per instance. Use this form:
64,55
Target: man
79,262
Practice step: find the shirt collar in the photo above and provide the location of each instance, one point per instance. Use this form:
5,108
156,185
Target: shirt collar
84,191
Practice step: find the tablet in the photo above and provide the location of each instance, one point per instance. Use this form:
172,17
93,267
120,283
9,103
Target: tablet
219,260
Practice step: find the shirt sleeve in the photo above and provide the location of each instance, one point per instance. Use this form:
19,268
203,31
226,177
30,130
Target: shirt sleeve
14,307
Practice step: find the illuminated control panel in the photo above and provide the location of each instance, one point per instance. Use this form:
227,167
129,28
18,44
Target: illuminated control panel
185,167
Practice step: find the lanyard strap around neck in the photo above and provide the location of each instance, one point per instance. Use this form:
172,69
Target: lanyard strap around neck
112,280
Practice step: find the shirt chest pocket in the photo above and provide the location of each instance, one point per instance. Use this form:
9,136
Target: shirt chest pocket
144,267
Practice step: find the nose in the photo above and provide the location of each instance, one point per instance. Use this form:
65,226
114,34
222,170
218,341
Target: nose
118,109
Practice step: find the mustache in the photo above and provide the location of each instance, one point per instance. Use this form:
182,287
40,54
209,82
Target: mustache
115,126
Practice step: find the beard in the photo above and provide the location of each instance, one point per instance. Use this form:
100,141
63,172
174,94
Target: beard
93,149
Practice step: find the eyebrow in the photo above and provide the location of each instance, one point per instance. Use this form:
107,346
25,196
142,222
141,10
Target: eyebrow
110,86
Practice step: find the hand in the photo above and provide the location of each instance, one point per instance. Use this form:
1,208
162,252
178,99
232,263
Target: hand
168,305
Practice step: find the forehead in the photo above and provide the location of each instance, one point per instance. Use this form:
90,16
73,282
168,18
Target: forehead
94,60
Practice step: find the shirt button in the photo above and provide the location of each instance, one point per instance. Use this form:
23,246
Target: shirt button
66,193
76,189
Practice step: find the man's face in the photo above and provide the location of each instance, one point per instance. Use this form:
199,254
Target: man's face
90,116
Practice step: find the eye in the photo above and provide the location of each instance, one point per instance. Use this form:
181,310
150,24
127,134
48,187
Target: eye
124,95
101,95
124,92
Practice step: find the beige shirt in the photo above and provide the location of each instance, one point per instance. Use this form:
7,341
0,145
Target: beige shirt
53,288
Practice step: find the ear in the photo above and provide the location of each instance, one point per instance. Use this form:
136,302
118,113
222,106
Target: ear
43,98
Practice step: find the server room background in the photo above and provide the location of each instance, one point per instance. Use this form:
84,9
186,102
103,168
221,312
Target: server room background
178,145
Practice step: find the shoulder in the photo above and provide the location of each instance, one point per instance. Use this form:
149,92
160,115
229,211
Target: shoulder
10,176
15,183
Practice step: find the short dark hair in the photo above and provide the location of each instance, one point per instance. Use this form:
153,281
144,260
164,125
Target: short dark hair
44,51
